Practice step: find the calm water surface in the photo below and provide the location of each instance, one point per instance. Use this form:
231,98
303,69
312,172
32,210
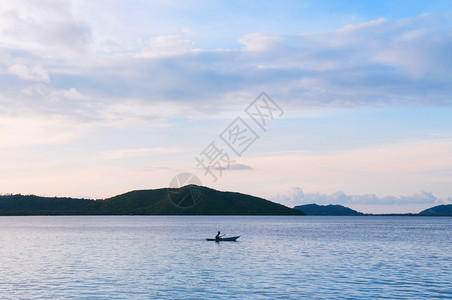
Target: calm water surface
143,257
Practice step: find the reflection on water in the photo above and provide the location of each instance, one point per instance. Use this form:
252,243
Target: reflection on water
143,257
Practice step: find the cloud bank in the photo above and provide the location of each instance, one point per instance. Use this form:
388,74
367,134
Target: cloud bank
377,63
296,196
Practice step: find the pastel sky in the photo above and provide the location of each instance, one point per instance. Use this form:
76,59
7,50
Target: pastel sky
98,98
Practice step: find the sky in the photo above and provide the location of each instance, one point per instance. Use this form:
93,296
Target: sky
98,98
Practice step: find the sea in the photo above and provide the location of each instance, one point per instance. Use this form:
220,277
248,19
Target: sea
168,257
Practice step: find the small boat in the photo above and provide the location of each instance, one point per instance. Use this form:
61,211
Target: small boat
225,239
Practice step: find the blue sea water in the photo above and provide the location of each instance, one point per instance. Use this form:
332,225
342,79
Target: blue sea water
157,257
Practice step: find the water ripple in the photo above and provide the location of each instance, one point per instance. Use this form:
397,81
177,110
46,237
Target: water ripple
276,258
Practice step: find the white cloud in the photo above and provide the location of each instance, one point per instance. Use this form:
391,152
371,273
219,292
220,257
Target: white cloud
37,73
48,27
232,167
361,26
375,63
41,100
187,31
296,196
111,45
342,68
170,45
260,42
292,197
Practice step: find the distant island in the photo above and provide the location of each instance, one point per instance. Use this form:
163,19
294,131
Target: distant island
340,210
440,210
327,210
147,202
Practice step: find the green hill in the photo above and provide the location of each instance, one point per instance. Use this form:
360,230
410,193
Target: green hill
148,202
16,205
440,210
211,202
327,210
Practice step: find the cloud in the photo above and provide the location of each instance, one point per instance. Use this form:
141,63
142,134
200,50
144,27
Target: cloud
111,45
169,45
359,65
291,197
296,196
43,100
37,73
235,167
377,63
46,26
260,42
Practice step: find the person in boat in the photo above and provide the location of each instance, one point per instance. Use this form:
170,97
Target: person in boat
217,237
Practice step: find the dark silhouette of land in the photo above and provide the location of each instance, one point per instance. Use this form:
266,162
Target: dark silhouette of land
340,210
146,202
172,201
440,210
327,210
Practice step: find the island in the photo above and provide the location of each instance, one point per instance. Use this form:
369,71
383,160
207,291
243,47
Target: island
340,210
327,210
440,210
163,201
